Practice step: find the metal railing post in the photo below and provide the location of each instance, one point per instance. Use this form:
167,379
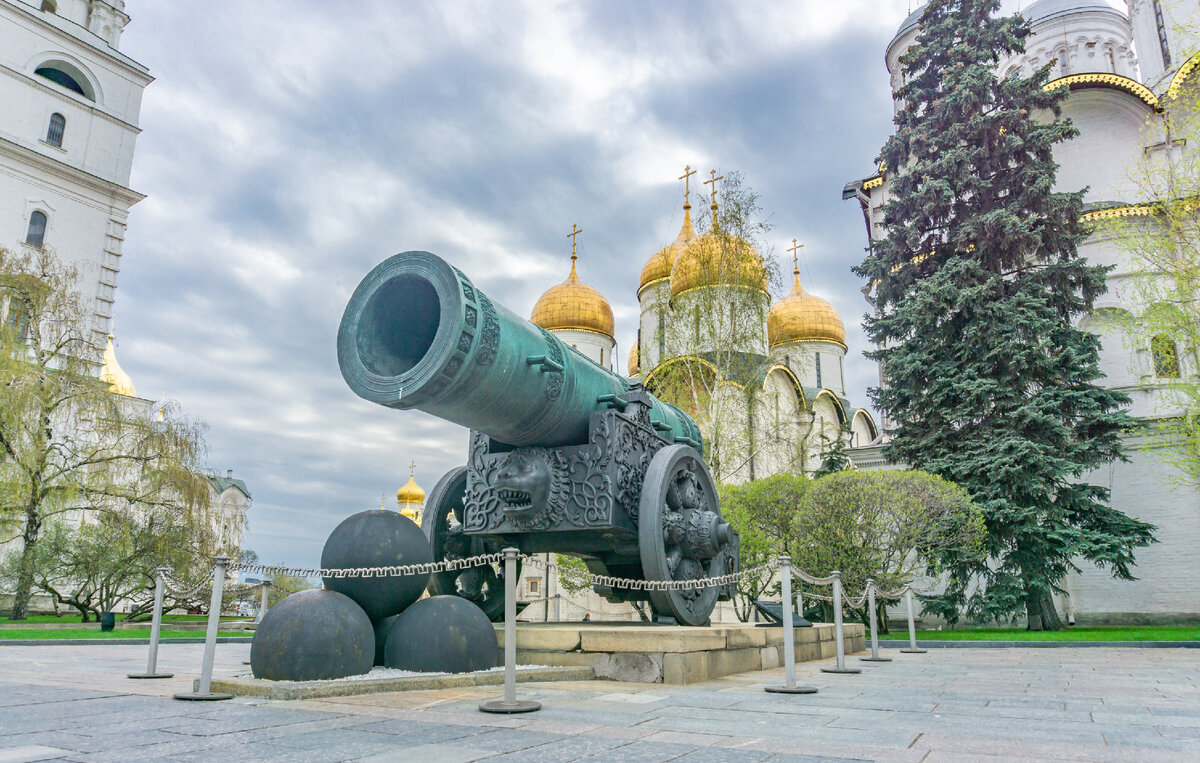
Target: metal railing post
874,625
789,635
155,629
204,684
839,642
262,607
912,626
510,703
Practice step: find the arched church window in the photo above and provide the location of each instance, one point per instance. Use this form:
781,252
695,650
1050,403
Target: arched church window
54,133
35,234
1063,68
1111,59
64,74
817,357
49,6
1166,357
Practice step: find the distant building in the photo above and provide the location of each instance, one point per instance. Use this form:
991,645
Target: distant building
1122,104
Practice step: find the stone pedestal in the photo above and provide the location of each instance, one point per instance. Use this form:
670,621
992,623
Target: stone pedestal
672,654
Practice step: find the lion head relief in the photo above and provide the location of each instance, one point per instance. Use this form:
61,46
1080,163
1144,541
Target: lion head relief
533,486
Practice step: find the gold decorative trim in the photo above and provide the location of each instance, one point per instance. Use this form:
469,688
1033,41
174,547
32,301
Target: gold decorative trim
650,283
1091,79
798,341
1134,210
874,182
1182,75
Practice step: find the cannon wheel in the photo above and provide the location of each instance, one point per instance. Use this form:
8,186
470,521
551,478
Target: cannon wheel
442,525
678,484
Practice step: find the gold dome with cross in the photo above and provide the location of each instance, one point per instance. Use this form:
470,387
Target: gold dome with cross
803,317
573,305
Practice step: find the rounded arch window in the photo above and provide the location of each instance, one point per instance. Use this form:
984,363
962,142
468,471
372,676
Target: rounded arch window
54,133
67,75
1166,357
35,234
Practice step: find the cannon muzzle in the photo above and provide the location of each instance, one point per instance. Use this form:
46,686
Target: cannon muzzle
417,333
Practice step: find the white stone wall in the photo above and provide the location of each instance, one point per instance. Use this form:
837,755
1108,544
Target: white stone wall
597,348
1182,24
818,365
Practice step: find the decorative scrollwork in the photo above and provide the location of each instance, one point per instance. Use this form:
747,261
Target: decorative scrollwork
554,379
490,335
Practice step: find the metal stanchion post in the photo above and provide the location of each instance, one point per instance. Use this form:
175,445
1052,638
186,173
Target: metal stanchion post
262,607
839,643
912,627
510,703
204,685
874,626
155,628
558,607
789,636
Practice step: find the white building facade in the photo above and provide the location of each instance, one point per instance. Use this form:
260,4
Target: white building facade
1123,67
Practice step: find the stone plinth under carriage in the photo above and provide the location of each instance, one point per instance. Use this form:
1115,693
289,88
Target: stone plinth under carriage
672,654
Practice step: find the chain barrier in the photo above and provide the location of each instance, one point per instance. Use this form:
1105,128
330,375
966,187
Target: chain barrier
660,585
425,568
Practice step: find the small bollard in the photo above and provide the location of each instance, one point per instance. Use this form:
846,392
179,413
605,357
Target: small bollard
204,685
262,608
558,607
510,703
789,636
838,638
912,627
155,627
874,627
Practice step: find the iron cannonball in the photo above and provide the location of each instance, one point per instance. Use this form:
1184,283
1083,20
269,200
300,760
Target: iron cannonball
442,634
382,628
313,635
377,538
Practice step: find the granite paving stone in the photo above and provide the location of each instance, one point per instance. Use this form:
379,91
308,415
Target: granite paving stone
1095,704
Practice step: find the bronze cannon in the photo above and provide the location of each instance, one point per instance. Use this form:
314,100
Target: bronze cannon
564,456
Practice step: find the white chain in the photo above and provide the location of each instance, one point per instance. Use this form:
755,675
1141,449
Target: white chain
660,585
898,593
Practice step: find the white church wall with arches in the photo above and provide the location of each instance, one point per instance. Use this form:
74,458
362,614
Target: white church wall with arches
1123,67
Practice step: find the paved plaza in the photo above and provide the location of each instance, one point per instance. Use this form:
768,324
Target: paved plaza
74,703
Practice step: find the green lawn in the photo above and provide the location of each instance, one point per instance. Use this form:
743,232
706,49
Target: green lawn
57,633
75,618
1104,633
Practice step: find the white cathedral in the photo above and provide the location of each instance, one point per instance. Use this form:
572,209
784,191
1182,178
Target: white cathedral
1123,68
68,124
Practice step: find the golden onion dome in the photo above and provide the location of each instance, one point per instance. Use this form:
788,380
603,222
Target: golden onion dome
658,267
718,258
633,360
411,492
801,317
112,374
574,305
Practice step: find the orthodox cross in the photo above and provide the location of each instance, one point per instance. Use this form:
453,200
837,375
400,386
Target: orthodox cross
686,177
575,231
412,469
795,250
713,182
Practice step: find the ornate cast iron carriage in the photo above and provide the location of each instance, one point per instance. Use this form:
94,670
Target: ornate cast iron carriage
564,456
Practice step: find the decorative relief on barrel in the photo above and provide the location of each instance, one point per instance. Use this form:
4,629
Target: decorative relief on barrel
554,379
490,335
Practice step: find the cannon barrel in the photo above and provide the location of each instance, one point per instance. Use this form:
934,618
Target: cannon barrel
417,333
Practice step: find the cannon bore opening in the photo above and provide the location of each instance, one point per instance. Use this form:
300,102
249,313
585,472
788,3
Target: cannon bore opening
398,325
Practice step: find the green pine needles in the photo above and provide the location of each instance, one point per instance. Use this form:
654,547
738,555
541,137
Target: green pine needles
978,287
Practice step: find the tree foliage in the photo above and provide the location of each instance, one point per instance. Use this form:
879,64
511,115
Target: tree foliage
986,379
763,512
70,448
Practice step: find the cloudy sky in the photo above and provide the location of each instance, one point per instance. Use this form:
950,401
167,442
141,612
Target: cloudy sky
288,147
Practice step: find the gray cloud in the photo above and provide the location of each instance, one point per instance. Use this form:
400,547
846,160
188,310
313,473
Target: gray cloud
288,148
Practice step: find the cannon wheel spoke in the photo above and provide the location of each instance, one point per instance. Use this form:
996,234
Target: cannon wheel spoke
678,486
442,524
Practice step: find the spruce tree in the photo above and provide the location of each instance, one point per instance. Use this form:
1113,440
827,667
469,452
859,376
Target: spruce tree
978,286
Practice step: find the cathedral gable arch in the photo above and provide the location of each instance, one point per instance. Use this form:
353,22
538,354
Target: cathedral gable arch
67,72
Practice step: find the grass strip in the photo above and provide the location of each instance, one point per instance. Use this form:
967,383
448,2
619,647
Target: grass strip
1099,633
74,633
